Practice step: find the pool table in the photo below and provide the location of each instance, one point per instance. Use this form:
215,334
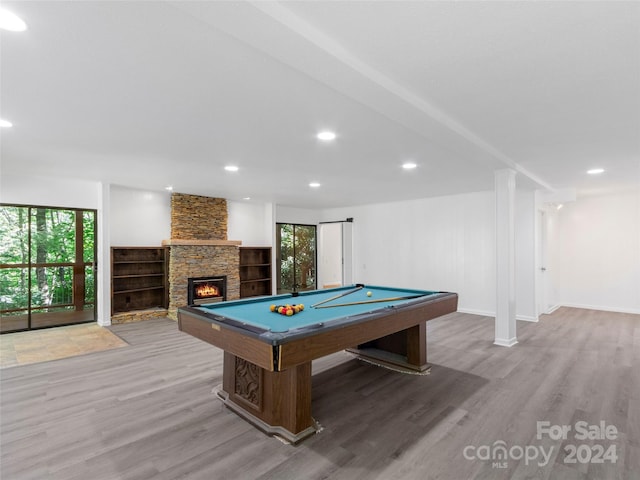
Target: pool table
267,356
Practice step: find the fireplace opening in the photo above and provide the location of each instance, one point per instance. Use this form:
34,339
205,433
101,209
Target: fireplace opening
203,290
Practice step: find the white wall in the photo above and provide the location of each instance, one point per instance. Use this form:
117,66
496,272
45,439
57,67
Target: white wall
139,218
300,216
444,243
525,230
596,253
143,218
49,191
252,223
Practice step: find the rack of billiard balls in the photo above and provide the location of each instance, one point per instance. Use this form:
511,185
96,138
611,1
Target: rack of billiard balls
287,309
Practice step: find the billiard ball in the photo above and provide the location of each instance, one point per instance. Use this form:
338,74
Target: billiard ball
272,308
369,294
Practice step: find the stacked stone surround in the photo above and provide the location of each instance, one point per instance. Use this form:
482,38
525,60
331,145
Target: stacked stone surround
138,316
198,218
199,247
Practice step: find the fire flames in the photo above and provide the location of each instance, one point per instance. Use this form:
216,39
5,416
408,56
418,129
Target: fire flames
206,290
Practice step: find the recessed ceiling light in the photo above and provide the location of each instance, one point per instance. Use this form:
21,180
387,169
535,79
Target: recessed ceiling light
247,198
409,165
231,168
5,123
10,21
595,171
314,184
326,136
169,188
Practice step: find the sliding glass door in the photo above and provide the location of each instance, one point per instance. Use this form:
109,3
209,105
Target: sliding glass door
47,267
296,257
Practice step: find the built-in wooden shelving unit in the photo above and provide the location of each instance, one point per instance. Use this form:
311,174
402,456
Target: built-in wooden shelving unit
255,271
138,278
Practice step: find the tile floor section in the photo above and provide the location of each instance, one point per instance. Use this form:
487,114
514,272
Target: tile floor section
35,346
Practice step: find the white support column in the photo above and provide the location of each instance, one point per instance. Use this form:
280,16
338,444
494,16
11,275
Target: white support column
270,214
103,278
505,193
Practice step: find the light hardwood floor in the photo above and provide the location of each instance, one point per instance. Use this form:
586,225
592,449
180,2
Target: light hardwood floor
146,411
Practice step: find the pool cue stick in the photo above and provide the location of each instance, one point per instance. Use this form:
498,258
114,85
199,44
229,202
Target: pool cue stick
359,286
377,300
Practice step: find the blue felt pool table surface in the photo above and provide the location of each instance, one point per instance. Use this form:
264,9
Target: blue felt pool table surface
256,311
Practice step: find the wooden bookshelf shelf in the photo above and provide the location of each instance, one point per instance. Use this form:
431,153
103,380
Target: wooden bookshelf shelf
255,271
138,278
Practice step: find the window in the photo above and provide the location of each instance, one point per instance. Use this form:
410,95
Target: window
296,257
47,267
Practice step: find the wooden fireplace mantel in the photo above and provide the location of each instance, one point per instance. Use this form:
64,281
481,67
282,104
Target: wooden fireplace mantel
215,243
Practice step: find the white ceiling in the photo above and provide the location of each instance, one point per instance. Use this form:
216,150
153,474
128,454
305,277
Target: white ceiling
147,94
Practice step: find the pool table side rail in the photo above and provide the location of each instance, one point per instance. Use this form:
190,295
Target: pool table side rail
228,339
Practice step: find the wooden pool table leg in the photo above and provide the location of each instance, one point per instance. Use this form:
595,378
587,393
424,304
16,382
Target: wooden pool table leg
417,345
405,350
279,403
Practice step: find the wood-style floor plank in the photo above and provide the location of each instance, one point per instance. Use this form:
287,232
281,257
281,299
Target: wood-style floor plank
146,411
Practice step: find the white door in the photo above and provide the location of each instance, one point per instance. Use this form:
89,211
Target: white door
347,253
335,266
542,277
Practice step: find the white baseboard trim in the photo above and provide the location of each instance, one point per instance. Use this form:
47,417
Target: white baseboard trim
634,311
482,313
528,318
552,309
504,342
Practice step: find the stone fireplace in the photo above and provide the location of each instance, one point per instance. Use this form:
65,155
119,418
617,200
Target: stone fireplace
199,247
